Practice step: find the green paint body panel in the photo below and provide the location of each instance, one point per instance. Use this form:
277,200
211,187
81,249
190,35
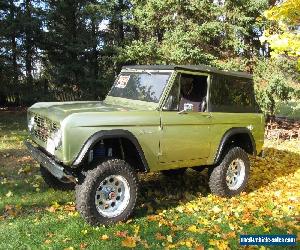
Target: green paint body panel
168,139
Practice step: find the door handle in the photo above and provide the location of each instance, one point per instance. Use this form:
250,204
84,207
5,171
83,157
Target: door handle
207,116
182,112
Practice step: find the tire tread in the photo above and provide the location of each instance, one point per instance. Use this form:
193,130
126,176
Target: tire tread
217,182
85,200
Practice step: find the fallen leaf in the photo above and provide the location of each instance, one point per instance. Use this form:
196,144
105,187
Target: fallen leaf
55,206
194,229
104,237
9,194
229,235
159,236
121,234
47,241
216,209
129,242
169,238
136,230
84,232
199,247
83,245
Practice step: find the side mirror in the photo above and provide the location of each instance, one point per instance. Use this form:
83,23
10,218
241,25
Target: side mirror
187,107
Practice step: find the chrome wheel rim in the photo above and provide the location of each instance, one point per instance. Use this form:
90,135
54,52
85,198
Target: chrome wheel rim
112,196
235,174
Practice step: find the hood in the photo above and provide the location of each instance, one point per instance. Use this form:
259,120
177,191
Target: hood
57,111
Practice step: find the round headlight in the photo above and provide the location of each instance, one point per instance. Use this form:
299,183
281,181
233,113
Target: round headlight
31,123
57,138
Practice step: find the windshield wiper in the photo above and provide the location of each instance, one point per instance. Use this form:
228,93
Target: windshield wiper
149,73
138,70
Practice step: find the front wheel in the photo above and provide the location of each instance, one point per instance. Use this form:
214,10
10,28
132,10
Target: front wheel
108,193
231,176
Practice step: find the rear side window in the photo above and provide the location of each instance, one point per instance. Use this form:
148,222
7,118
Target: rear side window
232,94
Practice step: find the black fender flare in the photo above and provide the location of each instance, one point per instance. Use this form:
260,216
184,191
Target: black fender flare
227,135
108,134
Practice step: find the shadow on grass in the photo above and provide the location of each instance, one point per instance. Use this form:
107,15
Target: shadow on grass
12,120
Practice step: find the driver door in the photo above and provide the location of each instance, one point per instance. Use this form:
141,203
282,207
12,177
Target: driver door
185,134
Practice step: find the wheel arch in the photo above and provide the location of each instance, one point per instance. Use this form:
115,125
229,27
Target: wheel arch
110,134
241,137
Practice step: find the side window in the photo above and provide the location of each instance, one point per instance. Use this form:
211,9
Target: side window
172,103
232,94
189,93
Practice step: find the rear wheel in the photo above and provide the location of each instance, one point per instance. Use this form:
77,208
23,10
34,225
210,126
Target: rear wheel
231,176
108,193
55,183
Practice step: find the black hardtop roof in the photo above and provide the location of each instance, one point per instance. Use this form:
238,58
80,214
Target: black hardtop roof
201,67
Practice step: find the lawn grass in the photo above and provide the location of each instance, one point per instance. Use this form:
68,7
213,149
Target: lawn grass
171,213
290,109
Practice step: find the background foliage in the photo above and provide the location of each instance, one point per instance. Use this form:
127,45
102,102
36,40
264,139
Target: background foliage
72,50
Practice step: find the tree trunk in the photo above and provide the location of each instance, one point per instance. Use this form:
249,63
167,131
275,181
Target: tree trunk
14,56
95,51
29,46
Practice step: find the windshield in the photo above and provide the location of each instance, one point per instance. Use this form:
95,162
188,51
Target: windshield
140,86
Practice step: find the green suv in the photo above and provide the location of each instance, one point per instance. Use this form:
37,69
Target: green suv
155,118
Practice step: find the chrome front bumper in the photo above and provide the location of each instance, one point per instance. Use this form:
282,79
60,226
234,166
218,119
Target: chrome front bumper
50,164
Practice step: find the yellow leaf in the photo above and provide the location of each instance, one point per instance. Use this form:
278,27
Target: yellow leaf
9,194
169,238
188,244
104,237
84,232
219,244
192,229
216,209
136,230
129,242
231,226
180,209
55,206
195,229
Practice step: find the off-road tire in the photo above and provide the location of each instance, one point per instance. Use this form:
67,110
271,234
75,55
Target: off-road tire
55,183
85,192
172,172
217,175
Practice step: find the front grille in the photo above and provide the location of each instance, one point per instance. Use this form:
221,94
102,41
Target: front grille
43,127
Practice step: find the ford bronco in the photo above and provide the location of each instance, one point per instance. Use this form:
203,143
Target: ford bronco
155,118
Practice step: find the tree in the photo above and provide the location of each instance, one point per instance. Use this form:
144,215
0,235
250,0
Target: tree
193,32
283,36
10,51
273,79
